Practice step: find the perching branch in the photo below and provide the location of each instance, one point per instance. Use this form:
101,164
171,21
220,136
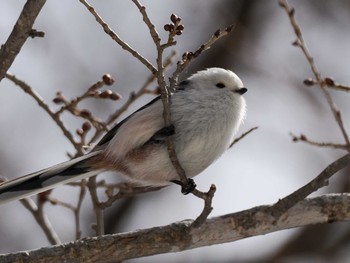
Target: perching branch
21,31
180,236
175,28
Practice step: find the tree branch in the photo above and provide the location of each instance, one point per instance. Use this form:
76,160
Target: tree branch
299,42
320,181
181,236
42,220
36,96
19,34
117,39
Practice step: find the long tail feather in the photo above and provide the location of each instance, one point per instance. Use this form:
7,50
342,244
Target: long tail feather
47,179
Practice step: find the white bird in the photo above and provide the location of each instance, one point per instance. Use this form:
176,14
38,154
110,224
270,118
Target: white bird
206,111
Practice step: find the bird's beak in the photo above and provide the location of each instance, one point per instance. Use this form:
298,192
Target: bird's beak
241,91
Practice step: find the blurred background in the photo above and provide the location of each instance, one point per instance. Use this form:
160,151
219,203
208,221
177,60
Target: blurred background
260,169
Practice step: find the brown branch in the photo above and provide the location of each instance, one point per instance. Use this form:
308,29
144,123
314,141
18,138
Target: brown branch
320,181
42,220
117,39
174,29
164,91
74,209
78,208
88,93
29,90
329,82
302,45
242,136
133,97
127,190
208,199
99,227
19,34
181,236
188,57
303,138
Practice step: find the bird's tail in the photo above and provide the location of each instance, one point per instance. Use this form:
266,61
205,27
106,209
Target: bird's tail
31,184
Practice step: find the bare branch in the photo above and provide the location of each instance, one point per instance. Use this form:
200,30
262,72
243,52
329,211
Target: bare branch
303,138
74,209
181,236
320,181
208,199
19,34
134,96
329,82
117,39
242,136
29,90
42,220
99,227
128,190
90,92
301,44
189,56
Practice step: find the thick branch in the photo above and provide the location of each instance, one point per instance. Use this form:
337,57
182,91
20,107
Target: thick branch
180,236
19,34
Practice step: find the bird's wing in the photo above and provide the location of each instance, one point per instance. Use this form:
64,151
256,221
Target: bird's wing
112,132
137,129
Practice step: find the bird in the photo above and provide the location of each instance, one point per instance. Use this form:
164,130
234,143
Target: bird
206,111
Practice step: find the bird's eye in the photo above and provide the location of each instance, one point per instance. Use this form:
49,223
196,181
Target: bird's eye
220,85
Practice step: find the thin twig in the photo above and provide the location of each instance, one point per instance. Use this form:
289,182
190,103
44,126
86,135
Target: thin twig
128,191
116,38
42,220
189,56
302,45
74,102
74,209
28,89
303,138
99,227
329,83
242,136
78,208
133,97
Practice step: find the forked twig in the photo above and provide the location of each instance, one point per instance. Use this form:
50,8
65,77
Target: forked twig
301,44
42,220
